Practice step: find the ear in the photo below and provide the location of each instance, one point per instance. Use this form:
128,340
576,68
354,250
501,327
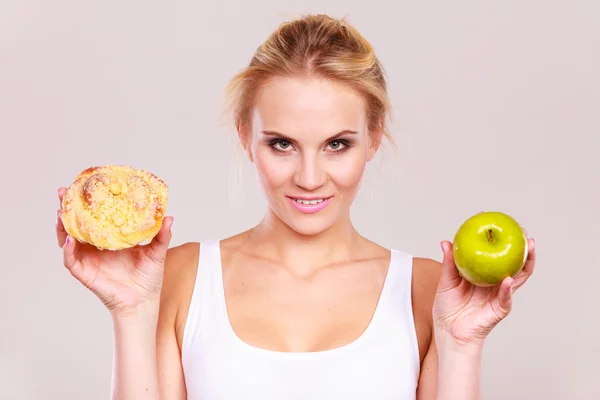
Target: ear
245,135
375,135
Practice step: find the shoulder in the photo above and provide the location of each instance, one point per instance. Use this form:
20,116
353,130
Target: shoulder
180,263
426,275
182,257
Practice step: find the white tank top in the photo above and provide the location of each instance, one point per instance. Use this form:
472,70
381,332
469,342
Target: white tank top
383,363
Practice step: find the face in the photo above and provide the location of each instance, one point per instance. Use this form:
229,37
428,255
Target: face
310,143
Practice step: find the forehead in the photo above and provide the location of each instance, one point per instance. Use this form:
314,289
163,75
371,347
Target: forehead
303,106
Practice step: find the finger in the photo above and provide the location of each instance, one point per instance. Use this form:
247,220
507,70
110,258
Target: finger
61,233
530,263
502,301
70,260
529,266
449,277
164,235
160,243
61,193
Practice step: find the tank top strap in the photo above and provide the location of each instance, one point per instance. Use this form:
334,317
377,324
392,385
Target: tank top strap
393,289
400,274
205,295
396,305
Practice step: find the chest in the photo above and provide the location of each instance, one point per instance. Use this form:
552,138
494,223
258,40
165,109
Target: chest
272,309
302,337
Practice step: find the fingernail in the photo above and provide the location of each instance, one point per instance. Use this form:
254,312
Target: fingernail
442,246
68,239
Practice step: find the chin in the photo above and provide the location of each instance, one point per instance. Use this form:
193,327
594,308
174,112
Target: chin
309,228
305,224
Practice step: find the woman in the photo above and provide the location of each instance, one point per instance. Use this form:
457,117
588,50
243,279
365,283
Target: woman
300,306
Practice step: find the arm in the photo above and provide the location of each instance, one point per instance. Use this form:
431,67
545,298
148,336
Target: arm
426,274
147,362
134,359
449,370
170,370
459,373
450,373
428,379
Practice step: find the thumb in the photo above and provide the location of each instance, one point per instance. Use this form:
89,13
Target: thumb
160,243
502,301
70,260
449,277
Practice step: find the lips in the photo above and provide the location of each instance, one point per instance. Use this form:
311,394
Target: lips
310,202
310,205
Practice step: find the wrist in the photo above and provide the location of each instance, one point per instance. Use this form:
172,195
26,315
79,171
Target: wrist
446,343
459,367
144,313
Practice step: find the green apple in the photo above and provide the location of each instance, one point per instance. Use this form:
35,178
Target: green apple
489,247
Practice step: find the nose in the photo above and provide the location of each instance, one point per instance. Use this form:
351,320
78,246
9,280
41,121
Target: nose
310,174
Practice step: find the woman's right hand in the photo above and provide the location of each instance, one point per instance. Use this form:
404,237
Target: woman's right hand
123,279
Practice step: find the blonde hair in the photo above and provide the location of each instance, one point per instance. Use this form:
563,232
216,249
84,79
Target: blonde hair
314,46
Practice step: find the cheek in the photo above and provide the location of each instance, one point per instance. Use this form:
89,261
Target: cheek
273,171
347,171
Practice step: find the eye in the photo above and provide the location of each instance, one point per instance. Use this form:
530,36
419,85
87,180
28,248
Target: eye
280,145
338,145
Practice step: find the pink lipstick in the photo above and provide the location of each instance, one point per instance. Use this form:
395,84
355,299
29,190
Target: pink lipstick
309,205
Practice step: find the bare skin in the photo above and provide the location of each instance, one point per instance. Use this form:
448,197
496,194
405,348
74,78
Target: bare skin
270,319
268,306
279,275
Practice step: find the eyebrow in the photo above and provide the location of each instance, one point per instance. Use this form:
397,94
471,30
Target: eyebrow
341,133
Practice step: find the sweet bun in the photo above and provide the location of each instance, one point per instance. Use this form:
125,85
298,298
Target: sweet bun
114,207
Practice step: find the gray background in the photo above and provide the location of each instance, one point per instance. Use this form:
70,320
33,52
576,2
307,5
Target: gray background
496,107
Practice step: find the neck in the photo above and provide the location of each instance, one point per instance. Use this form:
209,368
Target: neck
304,253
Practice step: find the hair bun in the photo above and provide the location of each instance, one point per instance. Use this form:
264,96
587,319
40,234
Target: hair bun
114,207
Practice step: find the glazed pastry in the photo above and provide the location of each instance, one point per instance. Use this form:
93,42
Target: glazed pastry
114,207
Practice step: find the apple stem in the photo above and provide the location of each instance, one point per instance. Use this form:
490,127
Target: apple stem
490,235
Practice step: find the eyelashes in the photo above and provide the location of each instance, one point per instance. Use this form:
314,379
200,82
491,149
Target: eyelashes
334,146
280,145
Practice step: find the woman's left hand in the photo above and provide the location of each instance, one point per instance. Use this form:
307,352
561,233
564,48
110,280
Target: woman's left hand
467,312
